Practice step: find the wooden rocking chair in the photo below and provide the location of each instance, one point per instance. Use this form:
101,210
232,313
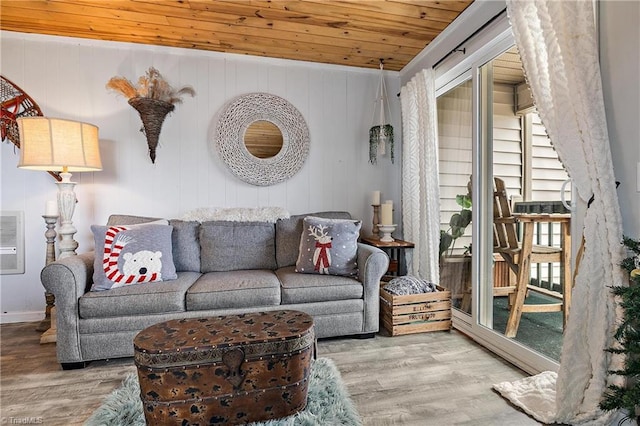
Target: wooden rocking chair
519,255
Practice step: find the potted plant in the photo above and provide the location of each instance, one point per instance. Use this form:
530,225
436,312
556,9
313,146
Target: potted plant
457,225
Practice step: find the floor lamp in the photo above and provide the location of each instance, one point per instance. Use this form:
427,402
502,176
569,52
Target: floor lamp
58,145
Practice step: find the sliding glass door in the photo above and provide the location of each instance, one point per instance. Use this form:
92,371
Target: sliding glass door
488,129
455,135
527,180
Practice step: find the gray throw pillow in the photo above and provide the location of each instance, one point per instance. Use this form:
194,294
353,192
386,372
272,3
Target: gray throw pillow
132,254
186,245
329,246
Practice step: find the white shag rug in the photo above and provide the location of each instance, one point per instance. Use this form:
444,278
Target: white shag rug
328,403
238,214
536,395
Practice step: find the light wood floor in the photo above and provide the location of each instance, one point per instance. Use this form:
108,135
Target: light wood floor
439,378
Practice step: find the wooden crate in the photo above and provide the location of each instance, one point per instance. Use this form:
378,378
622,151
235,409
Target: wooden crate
416,313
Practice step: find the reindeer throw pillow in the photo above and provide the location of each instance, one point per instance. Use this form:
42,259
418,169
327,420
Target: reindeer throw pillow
329,246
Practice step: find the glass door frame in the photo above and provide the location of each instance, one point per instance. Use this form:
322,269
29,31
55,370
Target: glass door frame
496,39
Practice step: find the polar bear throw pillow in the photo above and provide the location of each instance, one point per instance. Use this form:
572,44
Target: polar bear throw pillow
132,254
329,246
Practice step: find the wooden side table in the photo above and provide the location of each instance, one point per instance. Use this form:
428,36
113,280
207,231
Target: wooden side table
396,252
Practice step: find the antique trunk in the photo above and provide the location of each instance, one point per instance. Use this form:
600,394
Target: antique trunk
228,369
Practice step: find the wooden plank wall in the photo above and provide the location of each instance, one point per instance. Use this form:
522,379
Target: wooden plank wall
67,78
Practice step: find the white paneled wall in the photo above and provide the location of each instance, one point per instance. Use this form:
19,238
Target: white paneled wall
67,78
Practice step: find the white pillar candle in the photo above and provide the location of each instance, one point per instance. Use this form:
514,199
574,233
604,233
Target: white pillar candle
387,214
389,202
51,209
376,198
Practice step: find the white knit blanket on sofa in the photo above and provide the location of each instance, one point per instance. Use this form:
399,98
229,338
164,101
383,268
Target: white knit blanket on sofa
237,214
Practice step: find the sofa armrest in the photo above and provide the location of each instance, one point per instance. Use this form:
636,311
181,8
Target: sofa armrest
372,265
68,279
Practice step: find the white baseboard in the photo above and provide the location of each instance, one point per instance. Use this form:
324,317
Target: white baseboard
10,317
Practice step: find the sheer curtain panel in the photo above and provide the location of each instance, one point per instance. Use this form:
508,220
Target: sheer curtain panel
420,186
557,41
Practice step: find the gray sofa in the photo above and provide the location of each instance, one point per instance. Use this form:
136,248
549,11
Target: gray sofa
94,325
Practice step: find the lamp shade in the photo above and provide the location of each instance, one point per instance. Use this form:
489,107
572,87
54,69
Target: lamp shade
54,144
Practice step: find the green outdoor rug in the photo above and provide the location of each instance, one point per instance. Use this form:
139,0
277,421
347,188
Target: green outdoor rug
328,403
541,331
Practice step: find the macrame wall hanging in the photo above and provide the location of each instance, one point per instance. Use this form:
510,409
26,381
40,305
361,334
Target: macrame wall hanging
381,135
153,98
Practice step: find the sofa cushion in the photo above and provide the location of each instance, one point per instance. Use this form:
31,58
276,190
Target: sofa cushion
234,289
308,288
152,298
329,246
288,232
186,245
132,254
232,246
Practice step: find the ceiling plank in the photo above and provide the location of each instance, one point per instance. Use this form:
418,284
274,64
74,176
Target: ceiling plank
329,12
432,9
355,33
123,30
239,21
230,44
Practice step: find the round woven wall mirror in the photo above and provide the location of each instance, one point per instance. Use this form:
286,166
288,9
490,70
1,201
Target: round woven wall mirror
242,133
263,139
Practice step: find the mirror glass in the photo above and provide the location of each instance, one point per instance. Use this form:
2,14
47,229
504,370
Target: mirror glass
263,139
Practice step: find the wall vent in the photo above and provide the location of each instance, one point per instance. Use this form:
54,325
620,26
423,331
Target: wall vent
11,242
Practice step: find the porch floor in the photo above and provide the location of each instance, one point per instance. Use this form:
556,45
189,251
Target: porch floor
541,331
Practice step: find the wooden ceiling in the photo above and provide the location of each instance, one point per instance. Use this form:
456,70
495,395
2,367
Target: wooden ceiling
349,32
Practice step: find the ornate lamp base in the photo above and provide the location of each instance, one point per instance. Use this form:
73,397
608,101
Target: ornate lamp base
66,206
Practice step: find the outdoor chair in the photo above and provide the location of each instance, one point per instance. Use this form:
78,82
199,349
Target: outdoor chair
521,253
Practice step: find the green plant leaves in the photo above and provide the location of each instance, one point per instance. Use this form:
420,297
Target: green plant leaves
457,224
445,241
463,201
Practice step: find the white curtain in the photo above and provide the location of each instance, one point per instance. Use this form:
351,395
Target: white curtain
420,186
557,41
